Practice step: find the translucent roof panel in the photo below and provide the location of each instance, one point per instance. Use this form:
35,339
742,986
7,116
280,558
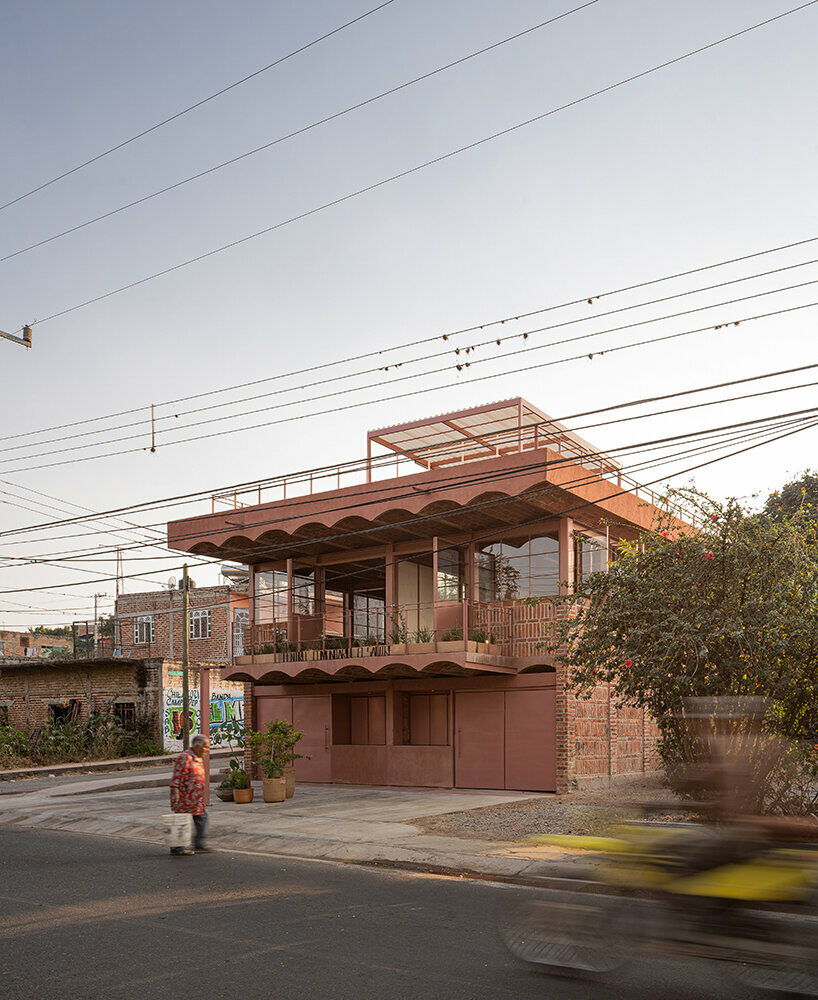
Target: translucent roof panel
510,425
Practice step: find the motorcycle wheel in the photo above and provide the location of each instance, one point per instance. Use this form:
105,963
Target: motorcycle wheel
784,957
567,934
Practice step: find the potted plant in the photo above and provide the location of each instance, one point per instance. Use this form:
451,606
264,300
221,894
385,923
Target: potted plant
422,641
242,789
274,750
451,641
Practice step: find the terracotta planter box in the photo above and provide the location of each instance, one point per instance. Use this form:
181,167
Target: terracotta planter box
420,647
455,646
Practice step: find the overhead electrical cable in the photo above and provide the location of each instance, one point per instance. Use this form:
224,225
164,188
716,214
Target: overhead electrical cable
296,132
198,104
597,352
376,528
425,340
358,464
457,356
428,163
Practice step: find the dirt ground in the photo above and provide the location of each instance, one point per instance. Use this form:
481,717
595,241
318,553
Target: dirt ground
582,812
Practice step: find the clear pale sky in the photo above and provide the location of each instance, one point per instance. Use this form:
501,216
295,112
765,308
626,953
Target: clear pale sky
709,159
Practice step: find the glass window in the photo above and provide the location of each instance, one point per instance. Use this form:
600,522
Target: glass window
518,568
271,597
590,556
368,617
199,624
143,629
450,565
303,591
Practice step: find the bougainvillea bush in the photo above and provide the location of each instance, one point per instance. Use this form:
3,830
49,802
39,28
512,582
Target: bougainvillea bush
730,608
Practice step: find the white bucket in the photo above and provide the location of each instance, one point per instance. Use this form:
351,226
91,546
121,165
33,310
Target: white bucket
178,829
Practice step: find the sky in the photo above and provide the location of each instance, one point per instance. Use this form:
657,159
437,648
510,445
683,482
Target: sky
709,159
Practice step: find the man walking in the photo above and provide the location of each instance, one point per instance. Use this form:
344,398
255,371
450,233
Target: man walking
187,788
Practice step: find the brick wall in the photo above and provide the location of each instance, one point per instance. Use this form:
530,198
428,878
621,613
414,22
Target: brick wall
28,690
167,627
13,644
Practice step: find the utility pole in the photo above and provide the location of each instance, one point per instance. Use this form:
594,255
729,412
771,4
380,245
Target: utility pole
185,659
24,341
96,622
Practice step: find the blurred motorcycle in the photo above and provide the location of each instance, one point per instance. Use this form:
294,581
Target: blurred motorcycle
728,895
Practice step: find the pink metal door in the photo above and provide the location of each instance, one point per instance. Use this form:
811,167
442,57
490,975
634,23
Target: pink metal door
268,709
313,715
531,746
479,722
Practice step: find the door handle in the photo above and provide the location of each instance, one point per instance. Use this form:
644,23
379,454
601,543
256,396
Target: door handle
326,737
459,742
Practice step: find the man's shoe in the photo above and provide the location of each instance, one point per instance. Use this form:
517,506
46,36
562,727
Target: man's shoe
203,850
186,852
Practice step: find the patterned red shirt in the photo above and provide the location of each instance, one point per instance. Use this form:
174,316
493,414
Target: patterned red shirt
189,778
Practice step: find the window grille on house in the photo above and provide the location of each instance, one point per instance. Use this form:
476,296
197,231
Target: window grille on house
143,629
125,712
4,715
199,624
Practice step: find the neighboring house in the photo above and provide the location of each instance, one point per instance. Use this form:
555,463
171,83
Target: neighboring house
38,693
150,624
16,644
392,619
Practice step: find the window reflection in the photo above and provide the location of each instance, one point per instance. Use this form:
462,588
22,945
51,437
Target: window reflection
518,568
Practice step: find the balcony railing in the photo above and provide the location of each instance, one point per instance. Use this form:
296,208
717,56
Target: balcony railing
500,628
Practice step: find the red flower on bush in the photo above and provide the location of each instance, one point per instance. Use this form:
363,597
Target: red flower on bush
708,555
714,517
664,534
628,663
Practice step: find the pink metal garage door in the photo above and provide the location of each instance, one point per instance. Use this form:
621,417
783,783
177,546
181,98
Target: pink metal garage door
479,720
531,749
313,715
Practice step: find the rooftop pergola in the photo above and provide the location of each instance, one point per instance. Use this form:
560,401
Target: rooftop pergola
481,432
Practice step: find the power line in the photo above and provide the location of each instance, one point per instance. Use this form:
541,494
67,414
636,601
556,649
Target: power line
425,340
359,463
428,163
804,426
297,132
192,107
456,362
478,478
599,352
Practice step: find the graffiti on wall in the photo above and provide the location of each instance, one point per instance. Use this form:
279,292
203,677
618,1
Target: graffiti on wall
225,706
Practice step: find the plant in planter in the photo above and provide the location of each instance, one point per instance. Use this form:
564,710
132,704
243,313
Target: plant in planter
423,635
274,751
242,789
452,635
397,634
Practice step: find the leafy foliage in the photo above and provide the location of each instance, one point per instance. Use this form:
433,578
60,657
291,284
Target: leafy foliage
102,737
728,609
274,746
800,496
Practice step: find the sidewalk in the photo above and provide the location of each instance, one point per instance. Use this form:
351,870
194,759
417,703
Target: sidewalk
85,767
362,825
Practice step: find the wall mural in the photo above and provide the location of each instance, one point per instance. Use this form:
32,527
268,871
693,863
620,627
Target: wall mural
225,706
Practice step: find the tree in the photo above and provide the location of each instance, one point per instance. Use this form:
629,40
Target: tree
62,631
728,609
799,495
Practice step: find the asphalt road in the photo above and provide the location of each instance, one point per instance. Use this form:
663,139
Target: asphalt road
88,918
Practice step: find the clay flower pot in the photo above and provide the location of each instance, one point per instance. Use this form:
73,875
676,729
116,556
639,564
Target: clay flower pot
274,789
242,794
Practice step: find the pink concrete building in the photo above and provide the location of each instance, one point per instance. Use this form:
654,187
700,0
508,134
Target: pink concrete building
393,620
